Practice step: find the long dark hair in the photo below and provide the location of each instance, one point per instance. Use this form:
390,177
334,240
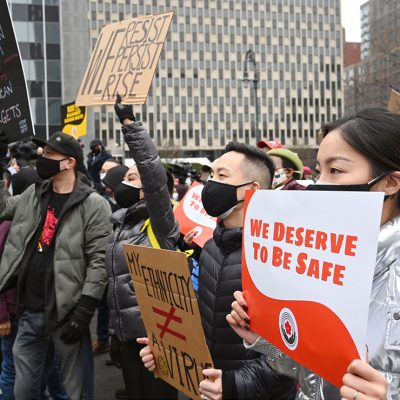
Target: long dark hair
373,132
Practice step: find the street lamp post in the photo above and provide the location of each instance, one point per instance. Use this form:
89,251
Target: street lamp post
250,58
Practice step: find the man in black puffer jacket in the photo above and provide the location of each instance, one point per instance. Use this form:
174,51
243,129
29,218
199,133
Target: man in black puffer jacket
240,374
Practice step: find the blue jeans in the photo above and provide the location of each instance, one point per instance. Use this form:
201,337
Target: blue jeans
7,376
52,378
31,349
54,386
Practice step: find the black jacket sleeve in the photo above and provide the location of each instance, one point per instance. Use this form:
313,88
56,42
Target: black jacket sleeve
257,380
154,181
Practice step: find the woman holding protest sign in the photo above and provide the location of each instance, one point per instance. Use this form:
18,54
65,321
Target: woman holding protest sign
357,153
145,216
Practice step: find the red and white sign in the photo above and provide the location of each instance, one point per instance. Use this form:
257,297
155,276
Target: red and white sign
190,214
307,273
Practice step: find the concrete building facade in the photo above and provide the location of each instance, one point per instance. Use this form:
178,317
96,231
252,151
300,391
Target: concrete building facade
198,100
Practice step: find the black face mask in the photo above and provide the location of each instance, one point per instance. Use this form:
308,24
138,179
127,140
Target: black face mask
220,198
46,168
361,187
95,150
126,195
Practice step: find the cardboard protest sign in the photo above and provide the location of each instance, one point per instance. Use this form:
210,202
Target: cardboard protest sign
73,119
394,102
190,214
307,273
15,113
124,60
170,313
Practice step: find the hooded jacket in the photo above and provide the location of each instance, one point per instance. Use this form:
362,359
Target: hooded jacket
79,244
383,335
246,375
94,164
125,320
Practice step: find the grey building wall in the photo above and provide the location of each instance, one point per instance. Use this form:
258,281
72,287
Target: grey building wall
74,46
75,53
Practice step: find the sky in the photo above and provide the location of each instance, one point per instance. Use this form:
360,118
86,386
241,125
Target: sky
351,19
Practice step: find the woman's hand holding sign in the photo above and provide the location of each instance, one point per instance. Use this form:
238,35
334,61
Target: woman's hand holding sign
362,382
189,237
124,111
239,320
211,387
146,354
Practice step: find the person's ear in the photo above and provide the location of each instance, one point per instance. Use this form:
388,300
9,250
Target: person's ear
240,192
289,172
69,163
255,186
391,184
141,194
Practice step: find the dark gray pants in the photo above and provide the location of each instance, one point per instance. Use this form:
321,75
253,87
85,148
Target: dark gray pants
30,351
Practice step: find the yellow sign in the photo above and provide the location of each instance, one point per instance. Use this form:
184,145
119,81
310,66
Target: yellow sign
73,120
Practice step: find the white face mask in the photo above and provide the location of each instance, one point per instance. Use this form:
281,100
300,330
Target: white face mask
323,183
12,170
226,214
279,177
102,175
175,196
130,184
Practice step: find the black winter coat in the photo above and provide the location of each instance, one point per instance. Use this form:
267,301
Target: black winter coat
125,320
94,164
246,375
220,275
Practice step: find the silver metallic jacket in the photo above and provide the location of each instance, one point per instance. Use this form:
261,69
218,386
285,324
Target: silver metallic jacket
383,327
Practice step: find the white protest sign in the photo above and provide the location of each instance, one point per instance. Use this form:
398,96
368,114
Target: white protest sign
308,265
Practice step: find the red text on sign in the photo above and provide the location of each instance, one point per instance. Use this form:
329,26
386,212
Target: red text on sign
299,236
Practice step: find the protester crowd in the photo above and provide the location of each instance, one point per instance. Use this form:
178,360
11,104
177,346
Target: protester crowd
63,226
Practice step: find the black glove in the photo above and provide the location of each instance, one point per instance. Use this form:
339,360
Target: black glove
78,323
115,351
73,331
3,145
123,111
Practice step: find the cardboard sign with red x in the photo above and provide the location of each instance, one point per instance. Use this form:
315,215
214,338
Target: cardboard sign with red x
169,309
